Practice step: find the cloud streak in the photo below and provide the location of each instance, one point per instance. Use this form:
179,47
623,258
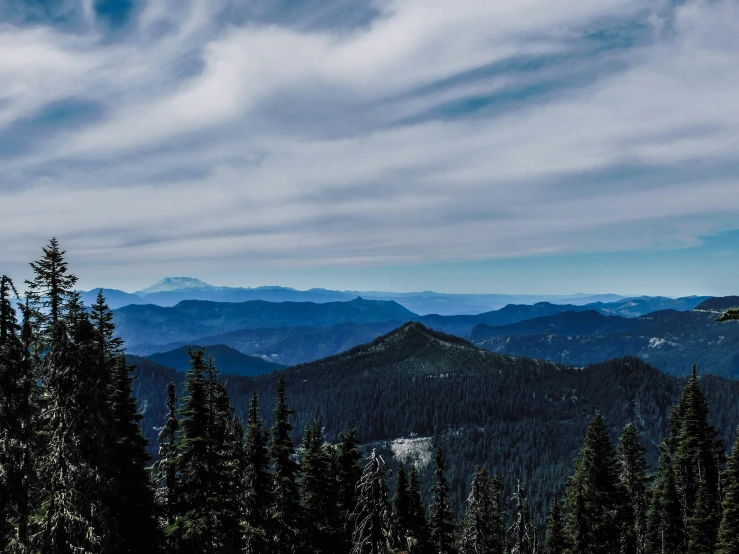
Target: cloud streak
403,132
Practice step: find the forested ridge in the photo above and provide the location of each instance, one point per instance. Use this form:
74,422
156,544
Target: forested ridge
228,474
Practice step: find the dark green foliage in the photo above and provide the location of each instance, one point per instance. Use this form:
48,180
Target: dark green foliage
348,472
132,498
482,521
49,292
596,499
634,473
165,470
256,483
665,527
523,531
416,521
402,515
318,488
372,518
442,521
285,511
556,541
17,411
728,534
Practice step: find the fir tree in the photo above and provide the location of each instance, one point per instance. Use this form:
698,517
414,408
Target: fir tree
285,513
166,469
372,518
108,345
556,541
417,527
256,483
348,473
597,485
318,491
481,518
525,540
728,535
665,528
441,518
16,425
634,475
133,499
401,510
49,291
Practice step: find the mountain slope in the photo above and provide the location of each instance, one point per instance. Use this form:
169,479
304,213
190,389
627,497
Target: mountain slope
670,340
520,417
227,360
150,325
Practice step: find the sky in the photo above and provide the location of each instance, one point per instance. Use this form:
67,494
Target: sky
480,146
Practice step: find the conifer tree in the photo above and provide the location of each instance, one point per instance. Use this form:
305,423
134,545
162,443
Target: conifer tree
285,513
597,486
665,528
416,520
348,473
108,345
256,483
525,540
728,534
556,542
194,525
73,481
318,491
441,518
401,510
133,499
481,518
166,469
16,425
634,473
372,517
49,292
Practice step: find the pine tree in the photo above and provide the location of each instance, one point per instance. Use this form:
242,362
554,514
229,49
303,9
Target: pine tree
728,535
596,484
193,528
417,526
285,513
166,469
108,345
49,292
665,528
525,540
318,491
481,518
74,488
372,517
16,425
634,475
256,483
401,510
133,499
441,518
348,473
556,541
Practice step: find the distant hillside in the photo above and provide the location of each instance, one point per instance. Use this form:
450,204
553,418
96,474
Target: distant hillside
719,304
521,417
227,360
670,340
295,345
146,325
114,298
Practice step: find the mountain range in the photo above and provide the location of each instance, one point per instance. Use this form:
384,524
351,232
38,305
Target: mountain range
228,360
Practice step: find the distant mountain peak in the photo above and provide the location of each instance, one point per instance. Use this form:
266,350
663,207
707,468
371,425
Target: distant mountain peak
169,284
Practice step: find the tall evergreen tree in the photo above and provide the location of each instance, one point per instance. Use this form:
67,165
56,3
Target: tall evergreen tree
597,485
665,528
401,510
16,425
166,468
285,513
634,473
372,517
318,491
194,525
256,484
133,498
728,535
442,521
556,541
108,345
417,525
525,539
348,473
481,518
49,291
